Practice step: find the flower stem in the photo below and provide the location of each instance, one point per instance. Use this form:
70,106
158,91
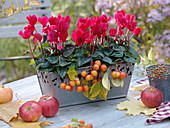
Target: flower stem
30,49
131,37
41,47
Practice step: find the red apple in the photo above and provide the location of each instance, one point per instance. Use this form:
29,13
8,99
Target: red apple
49,104
30,111
6,94
151,97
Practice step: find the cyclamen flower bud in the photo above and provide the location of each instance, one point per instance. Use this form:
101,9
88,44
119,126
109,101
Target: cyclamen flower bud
137,31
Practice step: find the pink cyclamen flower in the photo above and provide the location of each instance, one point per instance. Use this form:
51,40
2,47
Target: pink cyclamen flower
137,31
43,20
37,37
26,34
32,19
113,31
59,47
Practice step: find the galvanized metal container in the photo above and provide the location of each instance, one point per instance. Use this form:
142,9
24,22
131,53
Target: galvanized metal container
50,85
162,84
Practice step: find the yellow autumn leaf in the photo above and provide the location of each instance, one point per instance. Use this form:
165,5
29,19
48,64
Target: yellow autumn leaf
19,123
135,107
9,110
140,87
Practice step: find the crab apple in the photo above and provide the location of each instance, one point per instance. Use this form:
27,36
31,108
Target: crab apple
103,67
98,62
63,85
30,111
96,67
85,88
77,81
89,77
115,74
151,97
71,89
94,81
122,75
94,73
89,125
6,94
79,89
68,87
82,121
84,73
49,104
72,83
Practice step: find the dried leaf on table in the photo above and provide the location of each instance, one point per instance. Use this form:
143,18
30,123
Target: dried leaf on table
140,87
19,123
8,111
135,107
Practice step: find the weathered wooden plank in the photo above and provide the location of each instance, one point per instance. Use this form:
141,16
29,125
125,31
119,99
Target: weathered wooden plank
21,17
101,114
5,32
44,3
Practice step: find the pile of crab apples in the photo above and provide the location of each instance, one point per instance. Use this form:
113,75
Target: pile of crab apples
92,76
31,111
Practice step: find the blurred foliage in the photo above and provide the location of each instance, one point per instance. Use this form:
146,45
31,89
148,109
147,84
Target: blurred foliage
151,16
16,46
15,69
74,8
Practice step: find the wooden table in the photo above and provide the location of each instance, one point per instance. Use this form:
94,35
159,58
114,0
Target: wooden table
101,114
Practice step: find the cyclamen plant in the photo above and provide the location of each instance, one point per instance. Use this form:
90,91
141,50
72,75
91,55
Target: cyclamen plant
56,29
94,45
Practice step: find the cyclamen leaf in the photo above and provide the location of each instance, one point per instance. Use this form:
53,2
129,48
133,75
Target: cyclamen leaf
72,73
107,59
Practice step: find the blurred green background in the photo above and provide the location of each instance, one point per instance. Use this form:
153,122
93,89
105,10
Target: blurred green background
153,16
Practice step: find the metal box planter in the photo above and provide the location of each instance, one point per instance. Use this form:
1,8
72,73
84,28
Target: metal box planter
162,84
50,85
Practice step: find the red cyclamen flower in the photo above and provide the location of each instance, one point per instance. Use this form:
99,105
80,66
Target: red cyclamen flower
131,26
130,18
43,20
121,32
83,23
37,37
137,31
79,36
30,27
120,19
113,31
32,20
26,34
